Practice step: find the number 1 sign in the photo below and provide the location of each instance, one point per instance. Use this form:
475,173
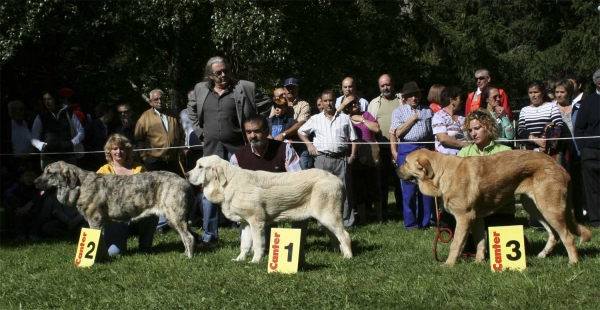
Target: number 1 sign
284,250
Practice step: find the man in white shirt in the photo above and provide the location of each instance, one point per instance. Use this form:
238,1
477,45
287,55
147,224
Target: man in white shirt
331,146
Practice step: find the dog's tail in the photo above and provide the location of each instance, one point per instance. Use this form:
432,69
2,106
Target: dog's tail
575,228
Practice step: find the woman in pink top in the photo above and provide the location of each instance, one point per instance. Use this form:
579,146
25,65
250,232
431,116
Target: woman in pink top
365,179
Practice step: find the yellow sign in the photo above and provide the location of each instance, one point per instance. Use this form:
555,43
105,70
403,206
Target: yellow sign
284,250
87,247
507,248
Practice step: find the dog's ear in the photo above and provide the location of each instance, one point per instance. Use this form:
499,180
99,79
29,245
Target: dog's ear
72,177
424,165
219,175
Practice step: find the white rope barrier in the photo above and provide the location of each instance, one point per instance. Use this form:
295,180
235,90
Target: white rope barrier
298,142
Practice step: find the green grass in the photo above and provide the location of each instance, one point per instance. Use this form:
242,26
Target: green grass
392,268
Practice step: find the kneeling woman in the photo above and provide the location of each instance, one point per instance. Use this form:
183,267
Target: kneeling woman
482,129
119,154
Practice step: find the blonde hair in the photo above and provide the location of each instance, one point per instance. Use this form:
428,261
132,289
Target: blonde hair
122,141
486,120
434,94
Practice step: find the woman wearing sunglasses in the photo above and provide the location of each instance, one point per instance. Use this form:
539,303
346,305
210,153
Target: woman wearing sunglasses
491,101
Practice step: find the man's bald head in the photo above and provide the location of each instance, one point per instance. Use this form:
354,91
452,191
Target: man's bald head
348,86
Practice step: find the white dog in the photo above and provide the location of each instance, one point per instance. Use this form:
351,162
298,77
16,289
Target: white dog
256,198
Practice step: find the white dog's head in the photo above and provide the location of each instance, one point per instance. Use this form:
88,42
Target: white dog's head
65,178
210,172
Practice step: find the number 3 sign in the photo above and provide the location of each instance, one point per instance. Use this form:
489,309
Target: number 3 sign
87,248
284,250
507,248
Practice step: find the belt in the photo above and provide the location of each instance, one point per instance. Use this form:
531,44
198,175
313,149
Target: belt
341,154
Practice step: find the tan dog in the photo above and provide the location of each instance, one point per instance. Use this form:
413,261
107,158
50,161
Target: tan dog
474,187
257,198
103,198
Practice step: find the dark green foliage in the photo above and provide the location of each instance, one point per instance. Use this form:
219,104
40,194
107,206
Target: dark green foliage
102,48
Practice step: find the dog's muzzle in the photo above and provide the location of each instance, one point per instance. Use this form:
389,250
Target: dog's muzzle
412,179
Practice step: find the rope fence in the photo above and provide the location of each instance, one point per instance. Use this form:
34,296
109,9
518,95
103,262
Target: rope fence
515,141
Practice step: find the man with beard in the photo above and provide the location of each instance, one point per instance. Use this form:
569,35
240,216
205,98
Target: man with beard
381,108
267,155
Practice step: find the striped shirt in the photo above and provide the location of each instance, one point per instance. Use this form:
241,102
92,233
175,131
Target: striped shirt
331,136
532,120
421,130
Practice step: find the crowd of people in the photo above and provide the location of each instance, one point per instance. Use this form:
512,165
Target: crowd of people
358,141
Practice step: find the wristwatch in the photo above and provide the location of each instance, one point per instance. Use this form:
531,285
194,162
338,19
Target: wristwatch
363,121
283,134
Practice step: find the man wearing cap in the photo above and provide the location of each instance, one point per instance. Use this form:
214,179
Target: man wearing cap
412,123
333,131
483,78
348,88
66,97
587,124
301,113
217,109
382,108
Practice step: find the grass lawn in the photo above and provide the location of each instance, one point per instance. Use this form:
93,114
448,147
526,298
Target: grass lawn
392,268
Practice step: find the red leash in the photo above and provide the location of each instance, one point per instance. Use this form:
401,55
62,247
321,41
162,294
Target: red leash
440,236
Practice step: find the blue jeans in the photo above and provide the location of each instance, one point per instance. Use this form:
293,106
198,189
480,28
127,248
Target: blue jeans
210,214
416,207
306,161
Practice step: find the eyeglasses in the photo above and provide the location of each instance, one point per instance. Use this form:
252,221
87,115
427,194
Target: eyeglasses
480,78
222,71
496,97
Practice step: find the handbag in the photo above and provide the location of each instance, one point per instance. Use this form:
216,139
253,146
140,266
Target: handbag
368,153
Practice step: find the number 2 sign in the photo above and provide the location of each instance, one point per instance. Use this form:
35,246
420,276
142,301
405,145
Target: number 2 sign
284,250
87,247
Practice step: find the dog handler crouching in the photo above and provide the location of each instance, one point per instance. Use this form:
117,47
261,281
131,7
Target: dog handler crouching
119,155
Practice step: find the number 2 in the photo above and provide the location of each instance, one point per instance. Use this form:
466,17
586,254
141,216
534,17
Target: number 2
89,253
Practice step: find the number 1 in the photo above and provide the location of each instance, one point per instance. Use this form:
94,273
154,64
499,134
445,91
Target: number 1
290,248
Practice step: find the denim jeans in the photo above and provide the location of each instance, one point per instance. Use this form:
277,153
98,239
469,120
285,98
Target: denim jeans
210,212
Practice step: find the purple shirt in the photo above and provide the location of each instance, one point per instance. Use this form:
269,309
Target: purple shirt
362,131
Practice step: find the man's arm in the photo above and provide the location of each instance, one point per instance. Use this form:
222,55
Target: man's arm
194,114
292,131
79,131
36,131
262,102
403,129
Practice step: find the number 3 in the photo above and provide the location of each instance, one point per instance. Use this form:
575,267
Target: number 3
516,250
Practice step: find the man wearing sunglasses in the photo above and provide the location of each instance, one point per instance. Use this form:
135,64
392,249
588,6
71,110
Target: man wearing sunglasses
482,79
217,110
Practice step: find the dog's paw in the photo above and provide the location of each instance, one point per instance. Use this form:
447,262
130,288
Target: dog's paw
256,259
240,258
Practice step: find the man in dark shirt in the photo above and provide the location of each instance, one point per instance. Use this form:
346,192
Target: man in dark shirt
587,124
217,109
